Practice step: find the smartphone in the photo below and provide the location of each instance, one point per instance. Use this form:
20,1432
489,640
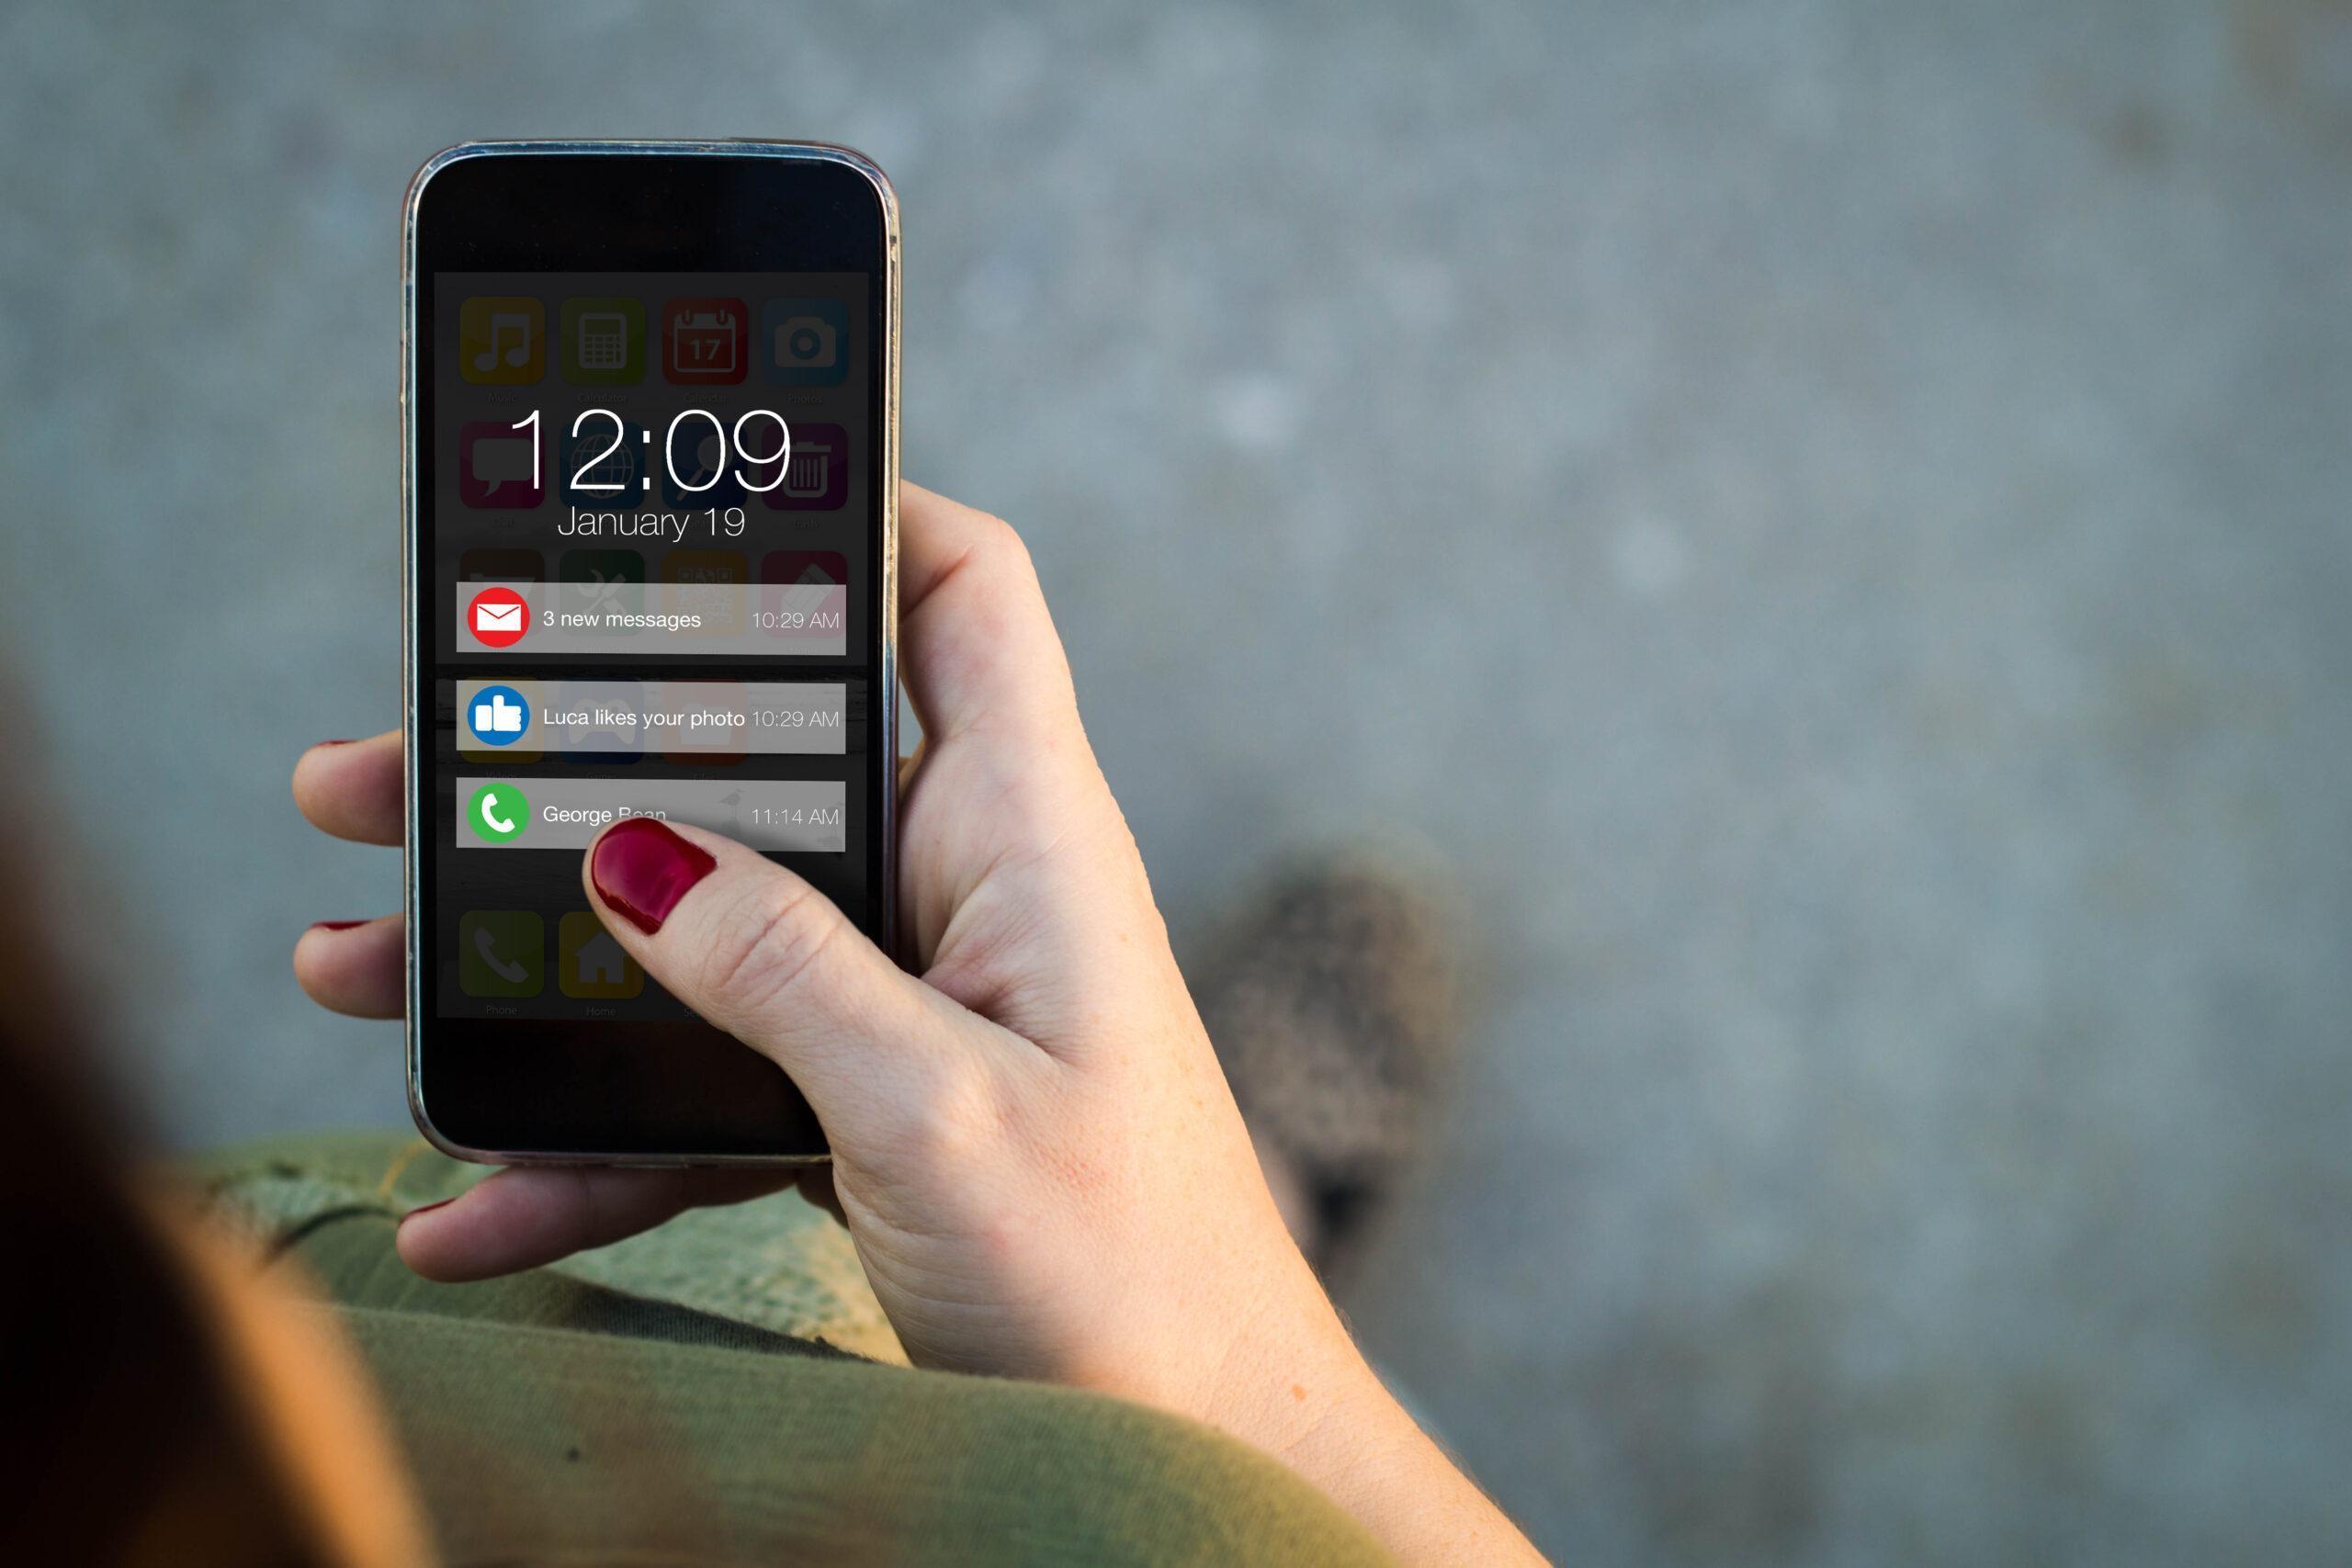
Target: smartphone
650,420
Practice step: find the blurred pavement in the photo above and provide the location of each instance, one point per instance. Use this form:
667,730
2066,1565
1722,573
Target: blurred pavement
1832,515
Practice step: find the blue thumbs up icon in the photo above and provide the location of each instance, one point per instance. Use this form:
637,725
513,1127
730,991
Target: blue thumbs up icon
499,715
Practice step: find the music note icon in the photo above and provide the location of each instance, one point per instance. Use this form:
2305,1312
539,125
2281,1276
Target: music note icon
500,325
502,340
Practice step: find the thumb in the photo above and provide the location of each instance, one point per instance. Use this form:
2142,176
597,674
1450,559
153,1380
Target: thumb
758,951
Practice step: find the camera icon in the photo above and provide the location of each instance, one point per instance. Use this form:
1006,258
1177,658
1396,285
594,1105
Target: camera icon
807,341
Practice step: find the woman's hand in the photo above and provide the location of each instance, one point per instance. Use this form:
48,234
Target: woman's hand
1033,1148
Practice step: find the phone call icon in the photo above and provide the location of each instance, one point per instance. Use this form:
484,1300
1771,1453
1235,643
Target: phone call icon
497,813
501,953
502,340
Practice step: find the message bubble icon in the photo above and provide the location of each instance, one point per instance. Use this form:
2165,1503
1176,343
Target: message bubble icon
496,462
496,467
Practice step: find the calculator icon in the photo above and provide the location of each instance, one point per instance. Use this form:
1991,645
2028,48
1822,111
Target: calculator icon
602,341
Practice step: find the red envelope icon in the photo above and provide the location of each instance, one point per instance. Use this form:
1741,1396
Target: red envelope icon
498,617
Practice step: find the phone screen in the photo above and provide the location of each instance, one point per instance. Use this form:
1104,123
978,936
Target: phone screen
650,564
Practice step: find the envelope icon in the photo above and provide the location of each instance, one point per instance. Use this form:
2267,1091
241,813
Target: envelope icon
498,617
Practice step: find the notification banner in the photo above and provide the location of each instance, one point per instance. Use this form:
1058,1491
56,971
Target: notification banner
685,721
564,813
719,610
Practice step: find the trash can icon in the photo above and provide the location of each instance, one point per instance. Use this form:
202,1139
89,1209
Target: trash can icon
816,476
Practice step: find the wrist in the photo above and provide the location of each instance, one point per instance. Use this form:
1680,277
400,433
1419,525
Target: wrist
1294,1385
1314,1403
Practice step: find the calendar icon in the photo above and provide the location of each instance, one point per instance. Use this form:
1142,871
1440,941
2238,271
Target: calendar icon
602,339
705,341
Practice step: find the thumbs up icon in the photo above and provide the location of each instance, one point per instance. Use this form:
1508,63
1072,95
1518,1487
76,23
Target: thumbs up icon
499,715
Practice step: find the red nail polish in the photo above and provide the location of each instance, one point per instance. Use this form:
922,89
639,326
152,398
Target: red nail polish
641,869
334,743
335,925
426,1209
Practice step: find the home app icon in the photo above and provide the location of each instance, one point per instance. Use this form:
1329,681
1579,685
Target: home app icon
591,963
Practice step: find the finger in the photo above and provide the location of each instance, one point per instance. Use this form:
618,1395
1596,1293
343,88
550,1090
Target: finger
986,673
977,644
351,788
764,956
355,967
816,1187
528,1216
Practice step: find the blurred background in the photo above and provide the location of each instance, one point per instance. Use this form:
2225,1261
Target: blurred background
1832,516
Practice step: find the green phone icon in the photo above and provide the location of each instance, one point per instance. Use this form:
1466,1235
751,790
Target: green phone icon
501,953
497,813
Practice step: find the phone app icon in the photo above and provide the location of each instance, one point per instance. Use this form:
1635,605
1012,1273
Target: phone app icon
590,963
502,340
804,342
705,342
708,583
501,566
599,470
695,470
500,953
495,466
599,583
497,813
498,716
816,472
600,341
498,617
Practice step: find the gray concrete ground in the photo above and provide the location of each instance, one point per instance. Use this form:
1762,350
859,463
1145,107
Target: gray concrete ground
1831,514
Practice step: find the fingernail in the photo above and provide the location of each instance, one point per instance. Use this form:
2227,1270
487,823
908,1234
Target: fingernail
426,1209
335,925
641,869
334,743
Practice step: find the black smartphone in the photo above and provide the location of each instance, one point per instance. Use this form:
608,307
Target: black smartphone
650,416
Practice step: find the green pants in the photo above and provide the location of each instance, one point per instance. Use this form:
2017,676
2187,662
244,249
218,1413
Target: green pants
725,1390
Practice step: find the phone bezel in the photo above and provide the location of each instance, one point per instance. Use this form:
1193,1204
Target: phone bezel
500,1108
